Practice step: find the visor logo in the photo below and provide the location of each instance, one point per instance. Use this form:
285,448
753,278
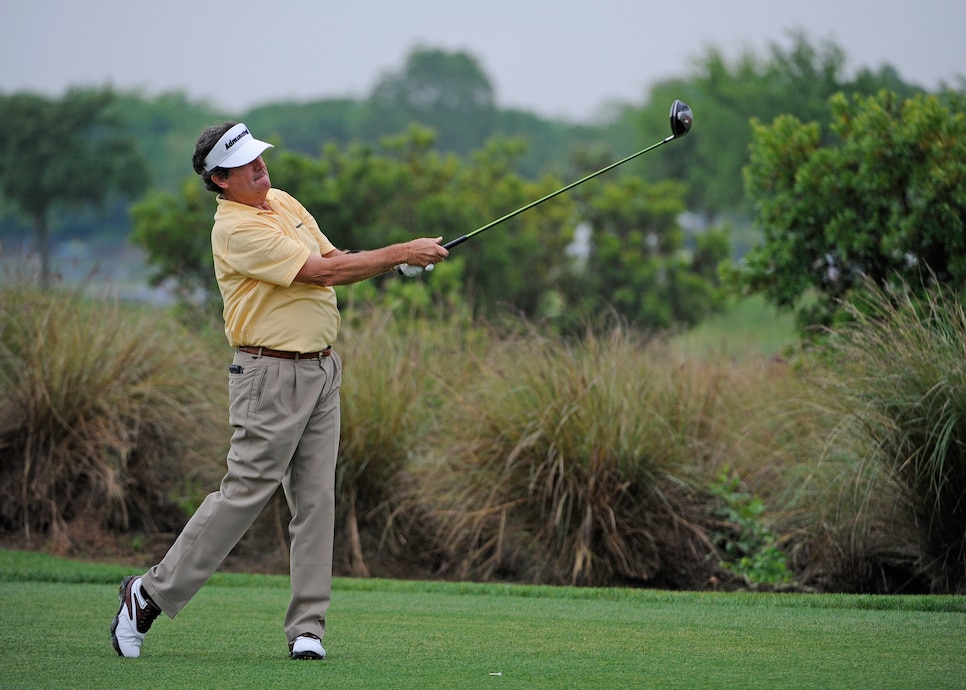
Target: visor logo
232,142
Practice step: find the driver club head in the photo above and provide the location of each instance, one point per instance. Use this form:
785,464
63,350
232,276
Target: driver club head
680,119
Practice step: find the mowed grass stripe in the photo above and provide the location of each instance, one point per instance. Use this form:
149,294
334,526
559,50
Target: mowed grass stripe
56,635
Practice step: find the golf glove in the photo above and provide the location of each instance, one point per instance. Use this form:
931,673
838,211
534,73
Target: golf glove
408,271
411,271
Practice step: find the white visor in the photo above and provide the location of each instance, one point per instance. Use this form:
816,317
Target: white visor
237,147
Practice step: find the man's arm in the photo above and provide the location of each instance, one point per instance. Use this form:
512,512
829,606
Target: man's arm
343,268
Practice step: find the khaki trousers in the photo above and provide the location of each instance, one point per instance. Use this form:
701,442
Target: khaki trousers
286,417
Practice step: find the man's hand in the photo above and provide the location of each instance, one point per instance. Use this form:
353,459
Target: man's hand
425,251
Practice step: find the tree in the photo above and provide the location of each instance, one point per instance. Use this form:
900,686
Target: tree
638,265
364,197
167,127
448,92
70,152
725,94
306,127
175,231
881,197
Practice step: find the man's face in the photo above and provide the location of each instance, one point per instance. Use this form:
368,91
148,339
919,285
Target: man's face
248,184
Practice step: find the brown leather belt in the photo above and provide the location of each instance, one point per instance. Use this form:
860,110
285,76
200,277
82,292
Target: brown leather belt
284,354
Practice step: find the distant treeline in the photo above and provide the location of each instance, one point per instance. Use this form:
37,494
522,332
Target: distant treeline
450,93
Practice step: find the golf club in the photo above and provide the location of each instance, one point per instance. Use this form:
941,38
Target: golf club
681,119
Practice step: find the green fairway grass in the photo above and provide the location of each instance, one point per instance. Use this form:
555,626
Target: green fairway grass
749,328
54,617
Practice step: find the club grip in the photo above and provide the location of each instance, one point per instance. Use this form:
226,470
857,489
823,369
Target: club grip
453,243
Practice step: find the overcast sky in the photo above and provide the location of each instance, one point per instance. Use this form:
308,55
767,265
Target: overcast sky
553,57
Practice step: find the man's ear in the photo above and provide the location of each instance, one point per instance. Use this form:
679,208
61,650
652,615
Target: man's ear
220,179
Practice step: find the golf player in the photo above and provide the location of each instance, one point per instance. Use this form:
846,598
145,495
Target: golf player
276,272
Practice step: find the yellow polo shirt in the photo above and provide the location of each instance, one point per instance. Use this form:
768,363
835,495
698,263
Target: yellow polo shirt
257,255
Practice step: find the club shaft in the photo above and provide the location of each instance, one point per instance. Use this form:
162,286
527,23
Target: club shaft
463,238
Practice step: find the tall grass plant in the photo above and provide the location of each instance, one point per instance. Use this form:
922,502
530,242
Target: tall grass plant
385,421
900,382
107,415
504,451
577,462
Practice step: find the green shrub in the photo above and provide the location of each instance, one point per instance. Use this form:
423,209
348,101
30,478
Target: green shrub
751,549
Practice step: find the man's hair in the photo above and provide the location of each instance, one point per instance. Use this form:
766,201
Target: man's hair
206,141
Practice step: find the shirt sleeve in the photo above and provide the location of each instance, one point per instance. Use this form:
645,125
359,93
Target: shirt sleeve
261,251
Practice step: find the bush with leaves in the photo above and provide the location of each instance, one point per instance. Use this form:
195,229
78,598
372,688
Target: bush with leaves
175,232
638,264
751,549
881,196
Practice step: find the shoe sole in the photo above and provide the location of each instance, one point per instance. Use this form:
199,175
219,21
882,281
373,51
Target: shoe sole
306,656
117,616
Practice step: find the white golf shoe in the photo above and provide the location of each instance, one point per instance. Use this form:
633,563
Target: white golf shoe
133,619
308,647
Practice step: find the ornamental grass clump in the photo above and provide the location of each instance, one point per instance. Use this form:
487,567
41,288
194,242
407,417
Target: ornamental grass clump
381,423
575,461
901,379
390,398
106,415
